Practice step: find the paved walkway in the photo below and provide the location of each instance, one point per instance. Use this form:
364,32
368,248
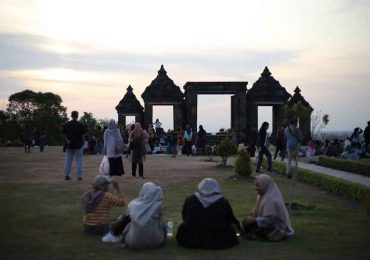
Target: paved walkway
352,177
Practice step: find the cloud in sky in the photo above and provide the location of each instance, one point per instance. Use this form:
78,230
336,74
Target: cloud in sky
90,53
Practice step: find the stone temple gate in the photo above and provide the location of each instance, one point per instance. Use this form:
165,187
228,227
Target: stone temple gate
266,91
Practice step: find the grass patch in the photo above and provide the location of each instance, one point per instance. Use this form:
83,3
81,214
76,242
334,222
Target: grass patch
42,219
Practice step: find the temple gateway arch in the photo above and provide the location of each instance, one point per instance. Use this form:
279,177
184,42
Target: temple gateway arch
266,91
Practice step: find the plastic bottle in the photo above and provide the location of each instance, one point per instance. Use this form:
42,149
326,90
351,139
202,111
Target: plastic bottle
169,229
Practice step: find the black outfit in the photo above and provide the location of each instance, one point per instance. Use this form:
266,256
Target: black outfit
261,139
367,137
116,166
213,227
73,131
27,139
201,140
253,232
137,149
280,144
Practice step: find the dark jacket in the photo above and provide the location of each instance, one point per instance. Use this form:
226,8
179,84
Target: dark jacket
73,134
211,228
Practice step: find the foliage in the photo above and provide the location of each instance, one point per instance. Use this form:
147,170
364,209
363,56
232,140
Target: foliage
367,202
36,110
90,122
242,165
318,122
329,183
298,111
345,165
225,149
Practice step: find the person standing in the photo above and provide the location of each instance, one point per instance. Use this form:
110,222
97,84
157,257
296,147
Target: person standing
262,147
356,138
293,138
136,150
112,136
201,140
188,137
73,132
367,137
27,139
42,139
280,143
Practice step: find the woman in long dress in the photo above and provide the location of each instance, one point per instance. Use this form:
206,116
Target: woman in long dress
269,219
112,135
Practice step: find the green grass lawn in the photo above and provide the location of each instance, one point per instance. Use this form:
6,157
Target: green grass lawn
42,220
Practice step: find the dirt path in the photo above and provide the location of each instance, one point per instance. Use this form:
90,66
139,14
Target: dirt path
47,168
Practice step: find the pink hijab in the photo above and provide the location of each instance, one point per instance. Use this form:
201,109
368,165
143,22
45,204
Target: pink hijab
271,203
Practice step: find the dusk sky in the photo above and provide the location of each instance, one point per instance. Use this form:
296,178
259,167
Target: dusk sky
88,52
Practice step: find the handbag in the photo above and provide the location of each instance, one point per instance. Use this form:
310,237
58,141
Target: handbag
119,147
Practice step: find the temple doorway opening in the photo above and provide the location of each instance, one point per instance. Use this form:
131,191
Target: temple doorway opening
130,120
214,112
165,115
265,115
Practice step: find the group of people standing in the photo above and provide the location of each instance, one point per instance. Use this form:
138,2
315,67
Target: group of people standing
113,147
31,137
288,139
208,220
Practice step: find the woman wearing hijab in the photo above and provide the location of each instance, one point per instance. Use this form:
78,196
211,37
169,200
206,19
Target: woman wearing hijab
208,220
112,135
97,203
146,228
137,150
269,220
188,137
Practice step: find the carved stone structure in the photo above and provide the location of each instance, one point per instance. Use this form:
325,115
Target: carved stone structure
266,91
238,101
129,106
163,91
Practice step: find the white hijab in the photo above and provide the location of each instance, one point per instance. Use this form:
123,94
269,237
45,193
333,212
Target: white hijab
271,203
208,192
146,205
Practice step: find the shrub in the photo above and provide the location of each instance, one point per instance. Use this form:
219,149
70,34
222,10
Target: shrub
329,183
225,149
345,165
367,202
242,165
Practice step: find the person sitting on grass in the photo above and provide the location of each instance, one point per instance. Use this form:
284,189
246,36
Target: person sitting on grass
97,203
269,219
143,227
208,220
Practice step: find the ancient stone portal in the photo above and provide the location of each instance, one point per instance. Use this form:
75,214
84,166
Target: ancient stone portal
266,91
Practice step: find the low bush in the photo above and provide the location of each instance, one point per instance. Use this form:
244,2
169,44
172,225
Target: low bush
242,165
225,149
329,183
345,165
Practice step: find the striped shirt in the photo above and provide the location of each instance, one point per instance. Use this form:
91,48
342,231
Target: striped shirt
100,215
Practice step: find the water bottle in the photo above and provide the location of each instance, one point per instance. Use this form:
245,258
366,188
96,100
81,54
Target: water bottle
169,229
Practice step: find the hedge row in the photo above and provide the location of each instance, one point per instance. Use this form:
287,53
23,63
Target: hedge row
329,183
345,165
